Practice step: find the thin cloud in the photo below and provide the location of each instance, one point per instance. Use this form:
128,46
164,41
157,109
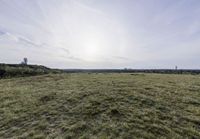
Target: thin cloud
2,33
65,50
27,41
69,57
90,9
121,58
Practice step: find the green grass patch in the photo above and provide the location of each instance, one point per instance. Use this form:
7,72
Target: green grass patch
105,106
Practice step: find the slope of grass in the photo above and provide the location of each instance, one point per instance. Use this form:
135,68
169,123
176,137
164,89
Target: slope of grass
20,70
100,106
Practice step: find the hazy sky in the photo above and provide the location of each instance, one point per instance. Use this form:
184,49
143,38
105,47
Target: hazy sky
101,33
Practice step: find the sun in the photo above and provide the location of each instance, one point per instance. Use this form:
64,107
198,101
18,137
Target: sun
91,50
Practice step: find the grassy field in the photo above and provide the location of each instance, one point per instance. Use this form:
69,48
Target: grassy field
100,106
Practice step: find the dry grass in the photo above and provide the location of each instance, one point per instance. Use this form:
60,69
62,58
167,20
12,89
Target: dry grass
100,106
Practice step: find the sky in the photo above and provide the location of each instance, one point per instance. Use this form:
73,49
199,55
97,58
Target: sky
101,33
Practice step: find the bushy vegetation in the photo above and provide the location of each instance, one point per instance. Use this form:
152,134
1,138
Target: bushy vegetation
18,70
103,106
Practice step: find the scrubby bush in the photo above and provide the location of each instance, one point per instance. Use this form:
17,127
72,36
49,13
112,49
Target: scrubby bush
2,72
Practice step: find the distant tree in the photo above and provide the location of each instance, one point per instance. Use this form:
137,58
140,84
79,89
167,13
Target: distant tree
25,61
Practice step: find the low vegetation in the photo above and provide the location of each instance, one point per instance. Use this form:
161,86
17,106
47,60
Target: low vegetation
21,70
100,105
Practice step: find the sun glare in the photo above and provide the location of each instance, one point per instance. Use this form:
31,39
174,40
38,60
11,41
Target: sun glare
91,47
91,50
